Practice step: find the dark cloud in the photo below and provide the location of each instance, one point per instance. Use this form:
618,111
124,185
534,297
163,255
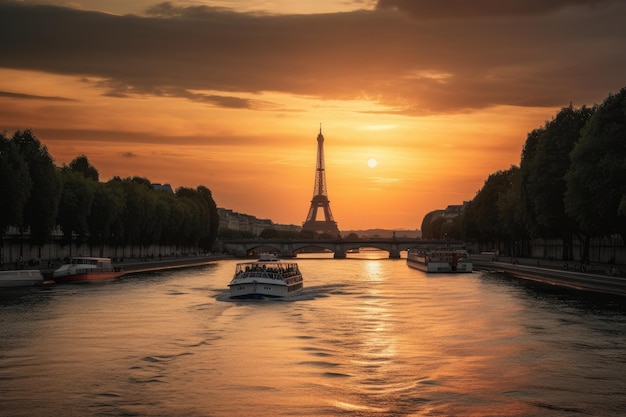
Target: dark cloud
122,89
485,8
530,55
21,96
169,9
81,136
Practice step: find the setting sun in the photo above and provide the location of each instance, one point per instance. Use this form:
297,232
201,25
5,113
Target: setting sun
372,162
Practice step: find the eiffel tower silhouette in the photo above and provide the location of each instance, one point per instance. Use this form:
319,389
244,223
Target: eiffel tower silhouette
320,200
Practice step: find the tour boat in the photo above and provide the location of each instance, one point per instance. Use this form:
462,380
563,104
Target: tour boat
439,260
86,268
266,277
20,278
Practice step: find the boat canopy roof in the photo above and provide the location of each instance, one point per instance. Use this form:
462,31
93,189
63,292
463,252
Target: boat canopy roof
269,264
89,260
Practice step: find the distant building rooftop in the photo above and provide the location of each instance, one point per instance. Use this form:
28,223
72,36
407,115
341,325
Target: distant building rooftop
163,187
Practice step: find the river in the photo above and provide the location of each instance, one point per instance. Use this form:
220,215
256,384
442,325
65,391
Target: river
368,337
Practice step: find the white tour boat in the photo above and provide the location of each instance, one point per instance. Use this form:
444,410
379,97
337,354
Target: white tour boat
20,278
439,260
86,268
266,277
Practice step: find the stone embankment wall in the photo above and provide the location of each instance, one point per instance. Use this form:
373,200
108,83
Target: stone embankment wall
609,250
14,253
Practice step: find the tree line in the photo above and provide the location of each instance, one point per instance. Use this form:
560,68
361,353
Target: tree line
37,197
570,183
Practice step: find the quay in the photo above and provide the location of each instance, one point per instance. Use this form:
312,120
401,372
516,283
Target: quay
134,266
148,264
604,279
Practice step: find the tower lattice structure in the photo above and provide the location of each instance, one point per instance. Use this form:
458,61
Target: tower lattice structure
320,200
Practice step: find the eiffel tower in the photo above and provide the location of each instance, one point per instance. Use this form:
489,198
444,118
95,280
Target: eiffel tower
320,198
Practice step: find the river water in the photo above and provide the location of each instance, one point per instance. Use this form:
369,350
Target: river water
368,337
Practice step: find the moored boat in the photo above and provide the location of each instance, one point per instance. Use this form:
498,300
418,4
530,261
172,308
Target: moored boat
86,268
266,277
439,260
20,278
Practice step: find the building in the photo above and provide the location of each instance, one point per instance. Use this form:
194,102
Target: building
453,211
232,220
163,187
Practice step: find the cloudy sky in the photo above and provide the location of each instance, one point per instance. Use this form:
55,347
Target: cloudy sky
231,94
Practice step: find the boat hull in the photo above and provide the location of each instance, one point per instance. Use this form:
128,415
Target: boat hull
88,277
267,277
259,289
20,278
86,269
440,266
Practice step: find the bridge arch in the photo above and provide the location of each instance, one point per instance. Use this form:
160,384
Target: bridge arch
287,248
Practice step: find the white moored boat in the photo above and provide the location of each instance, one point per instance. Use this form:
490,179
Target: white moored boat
266,277
86,268
439,260
20,278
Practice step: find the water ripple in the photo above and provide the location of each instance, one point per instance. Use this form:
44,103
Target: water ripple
366,338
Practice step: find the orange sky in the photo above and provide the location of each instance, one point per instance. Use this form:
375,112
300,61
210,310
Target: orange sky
230,94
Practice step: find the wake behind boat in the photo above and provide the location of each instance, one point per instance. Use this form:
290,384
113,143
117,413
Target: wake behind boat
20,278
440,260
266,277
86,268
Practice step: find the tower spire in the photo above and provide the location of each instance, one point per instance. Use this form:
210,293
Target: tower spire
320,198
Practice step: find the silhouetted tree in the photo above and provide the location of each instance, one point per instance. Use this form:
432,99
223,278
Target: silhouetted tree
510,208
36,195
269,233
75,206
81,165
162,218
106,208
197,214
211,226
482,212
40,211
226,234
134,213
307,234
596,185
544,183
16,184
428,228
437,228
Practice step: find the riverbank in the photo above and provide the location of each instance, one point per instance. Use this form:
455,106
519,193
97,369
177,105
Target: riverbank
134,266
604,278
149,264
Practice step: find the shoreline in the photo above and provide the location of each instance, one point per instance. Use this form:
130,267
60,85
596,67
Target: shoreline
137,266
553,273
549,272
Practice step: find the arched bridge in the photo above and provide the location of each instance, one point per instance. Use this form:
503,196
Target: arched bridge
287,248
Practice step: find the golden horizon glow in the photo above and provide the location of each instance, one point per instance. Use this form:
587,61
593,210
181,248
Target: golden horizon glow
419,166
